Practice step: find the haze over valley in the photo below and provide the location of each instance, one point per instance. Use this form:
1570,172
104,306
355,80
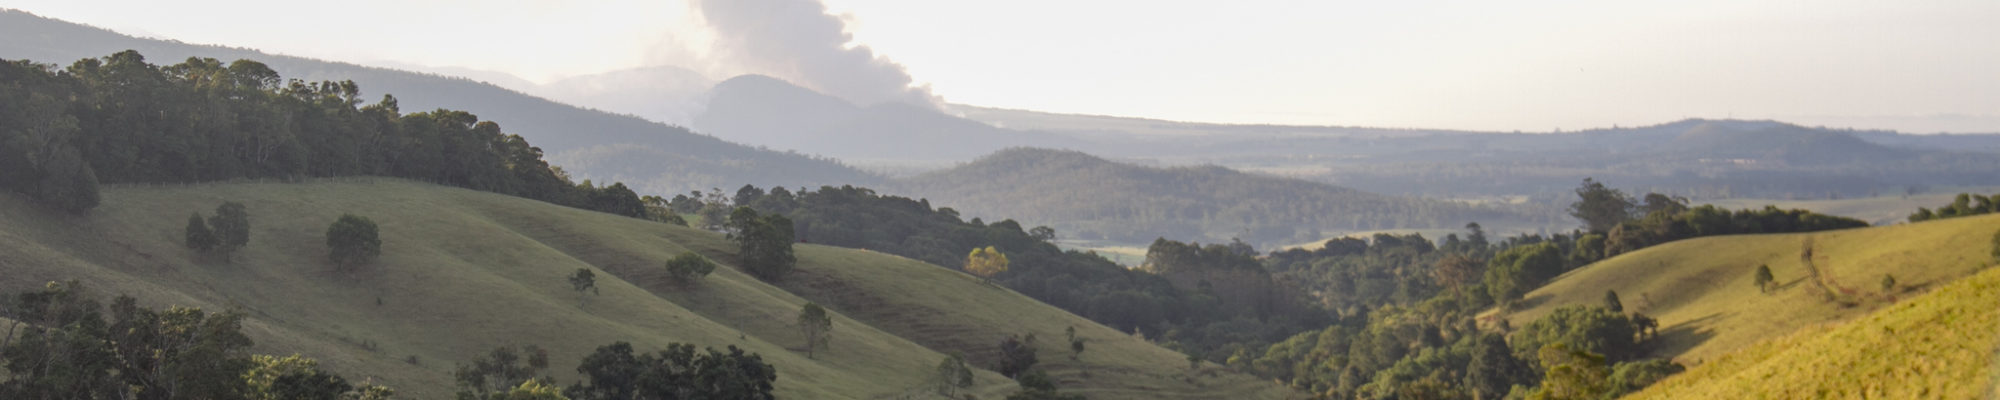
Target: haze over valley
889,199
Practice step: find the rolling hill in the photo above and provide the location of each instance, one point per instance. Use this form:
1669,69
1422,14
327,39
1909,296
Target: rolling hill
465,271
1702,291
568,134
1939,345
1093,198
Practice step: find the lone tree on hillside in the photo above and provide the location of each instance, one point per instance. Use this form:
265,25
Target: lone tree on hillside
686,267
952,375
1611,301
581,281
764,243
232,227
1764,279
1017,354
199,237
1888,282
352,240
817,327
986,262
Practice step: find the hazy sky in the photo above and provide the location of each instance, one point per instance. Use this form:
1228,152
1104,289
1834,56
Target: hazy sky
1921,66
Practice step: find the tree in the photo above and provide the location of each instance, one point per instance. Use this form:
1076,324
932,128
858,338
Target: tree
1017,354
1611,302
296,377
503,368
352,240
613,372
688,266
1494,370
816,325
199,237
1600,207
1581,328
985,263
1764,280
581,281
1572,374
1075,343
1037,385
1043,233
1888,282
232,227
764,243
952,374
1628,377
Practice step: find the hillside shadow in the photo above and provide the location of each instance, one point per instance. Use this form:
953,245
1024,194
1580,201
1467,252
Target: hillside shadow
1678,339
1533,301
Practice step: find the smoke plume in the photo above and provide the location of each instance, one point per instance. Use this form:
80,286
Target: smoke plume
798,41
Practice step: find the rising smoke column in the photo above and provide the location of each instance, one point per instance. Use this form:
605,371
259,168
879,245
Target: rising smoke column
797,40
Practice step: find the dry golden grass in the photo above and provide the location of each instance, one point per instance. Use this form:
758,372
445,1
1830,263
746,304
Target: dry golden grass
1937,346
1701,289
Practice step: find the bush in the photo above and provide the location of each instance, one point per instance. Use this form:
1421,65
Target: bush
353,240
688,266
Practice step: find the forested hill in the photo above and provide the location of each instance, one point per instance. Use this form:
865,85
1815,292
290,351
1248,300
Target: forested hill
1096,198
589,144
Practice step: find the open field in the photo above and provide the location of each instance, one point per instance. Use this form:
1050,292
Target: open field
1702,290
463,272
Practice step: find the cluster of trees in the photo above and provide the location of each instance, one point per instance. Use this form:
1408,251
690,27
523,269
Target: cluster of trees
1628,224
617,372
763,243
119,119
61,345
223,233
1966,204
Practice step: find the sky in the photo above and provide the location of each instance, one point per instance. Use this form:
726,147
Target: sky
1529,65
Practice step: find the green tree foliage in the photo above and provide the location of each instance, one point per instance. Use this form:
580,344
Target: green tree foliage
1708,220
1037,385
951,375
231,223
492,376
817,327
1515,271
1611,302
1628,377
1017,355
119,119
533,389
1600,207
614,372
1888,282
1965,205
1580,328
1572,374
1494,369
763,242
1764,280
689,266
299,378
67,349
352,240
199,237
584,282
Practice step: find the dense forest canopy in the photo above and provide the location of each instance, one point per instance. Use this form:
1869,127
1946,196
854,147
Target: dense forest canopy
120,119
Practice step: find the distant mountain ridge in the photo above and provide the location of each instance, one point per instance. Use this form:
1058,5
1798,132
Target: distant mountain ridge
1093,198
568,134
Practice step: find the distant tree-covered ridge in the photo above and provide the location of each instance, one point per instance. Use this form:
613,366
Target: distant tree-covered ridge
119,119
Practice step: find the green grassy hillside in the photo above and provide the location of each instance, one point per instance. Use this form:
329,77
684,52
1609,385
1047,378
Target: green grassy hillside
1938,345
464,271
1703,294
